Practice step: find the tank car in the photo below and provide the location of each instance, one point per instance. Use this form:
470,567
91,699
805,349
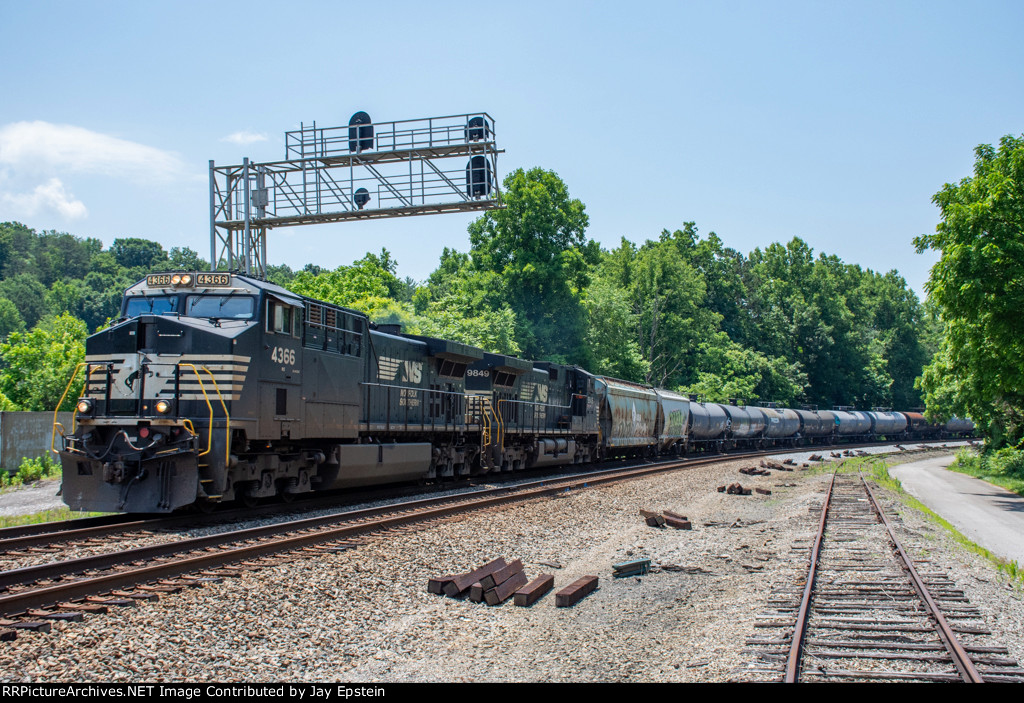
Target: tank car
958,427
708,425
850,423
747,423
885,423
816,426
781,424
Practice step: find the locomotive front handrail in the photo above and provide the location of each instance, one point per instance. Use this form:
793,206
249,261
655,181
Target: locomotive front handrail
53,435
206,397
227,418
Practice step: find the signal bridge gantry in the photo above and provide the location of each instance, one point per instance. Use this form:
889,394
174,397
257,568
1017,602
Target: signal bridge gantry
360,171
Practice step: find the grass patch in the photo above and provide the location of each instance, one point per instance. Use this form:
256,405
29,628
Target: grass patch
1002,467
44,516
878,470
30,471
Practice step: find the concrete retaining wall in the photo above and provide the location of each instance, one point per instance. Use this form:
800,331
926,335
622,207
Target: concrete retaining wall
27,434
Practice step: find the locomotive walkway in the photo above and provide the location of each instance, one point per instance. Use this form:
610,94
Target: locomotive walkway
987,515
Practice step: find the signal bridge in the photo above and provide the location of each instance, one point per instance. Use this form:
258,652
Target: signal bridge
361,171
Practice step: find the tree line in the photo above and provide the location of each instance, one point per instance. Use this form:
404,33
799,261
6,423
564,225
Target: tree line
680,309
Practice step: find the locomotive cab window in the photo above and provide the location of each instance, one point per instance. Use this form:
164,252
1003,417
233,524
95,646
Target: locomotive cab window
234,307
283,319
151,305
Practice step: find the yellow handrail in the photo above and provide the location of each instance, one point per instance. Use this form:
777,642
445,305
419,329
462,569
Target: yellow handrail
227,418
53,436
209,439
487,422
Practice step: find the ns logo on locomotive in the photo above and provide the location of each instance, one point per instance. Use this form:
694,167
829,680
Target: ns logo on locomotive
216,387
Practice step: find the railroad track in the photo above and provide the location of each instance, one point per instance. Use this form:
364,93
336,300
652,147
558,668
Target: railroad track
45,536
865,611
32,595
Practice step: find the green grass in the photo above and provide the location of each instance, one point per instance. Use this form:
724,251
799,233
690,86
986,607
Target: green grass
44,516
30,471
1003,467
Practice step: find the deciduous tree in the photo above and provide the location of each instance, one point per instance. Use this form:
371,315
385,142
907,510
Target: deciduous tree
978,285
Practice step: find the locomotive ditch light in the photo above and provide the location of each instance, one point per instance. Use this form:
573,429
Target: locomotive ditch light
84,406
163,407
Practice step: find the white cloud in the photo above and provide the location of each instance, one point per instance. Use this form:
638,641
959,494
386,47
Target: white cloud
244,138
42,147
50,196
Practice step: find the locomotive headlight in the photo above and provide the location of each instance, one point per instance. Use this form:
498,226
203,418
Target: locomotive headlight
84,406
186,280
175,280
163,406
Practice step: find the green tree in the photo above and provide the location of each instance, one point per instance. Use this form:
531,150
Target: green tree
10,318
537,252
978,285
371,277
27,294
667,296
135,253
612,330
183,259
38,365
727,370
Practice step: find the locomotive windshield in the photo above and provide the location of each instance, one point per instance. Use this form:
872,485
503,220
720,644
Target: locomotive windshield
151,305
220,306
235,307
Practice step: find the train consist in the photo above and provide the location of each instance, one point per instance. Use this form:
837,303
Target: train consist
216,387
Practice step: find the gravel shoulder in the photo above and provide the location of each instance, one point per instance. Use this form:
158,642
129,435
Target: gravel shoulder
365,615
34,498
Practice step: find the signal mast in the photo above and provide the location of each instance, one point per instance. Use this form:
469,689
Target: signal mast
361,171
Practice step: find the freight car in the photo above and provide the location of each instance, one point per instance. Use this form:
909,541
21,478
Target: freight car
216,387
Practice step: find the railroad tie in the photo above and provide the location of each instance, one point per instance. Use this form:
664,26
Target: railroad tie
575,592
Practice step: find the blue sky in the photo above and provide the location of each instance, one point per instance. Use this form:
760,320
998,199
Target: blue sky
832,121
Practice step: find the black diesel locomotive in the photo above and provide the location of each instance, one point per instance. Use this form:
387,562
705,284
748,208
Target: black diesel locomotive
215,387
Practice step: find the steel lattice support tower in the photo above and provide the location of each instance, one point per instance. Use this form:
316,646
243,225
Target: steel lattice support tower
361,171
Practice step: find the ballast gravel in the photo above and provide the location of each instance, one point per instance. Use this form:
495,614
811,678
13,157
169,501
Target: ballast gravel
365,614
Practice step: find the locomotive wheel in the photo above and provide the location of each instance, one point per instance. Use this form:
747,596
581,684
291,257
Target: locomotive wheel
205,506
248,500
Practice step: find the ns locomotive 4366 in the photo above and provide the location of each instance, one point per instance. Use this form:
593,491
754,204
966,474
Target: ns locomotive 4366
216,387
